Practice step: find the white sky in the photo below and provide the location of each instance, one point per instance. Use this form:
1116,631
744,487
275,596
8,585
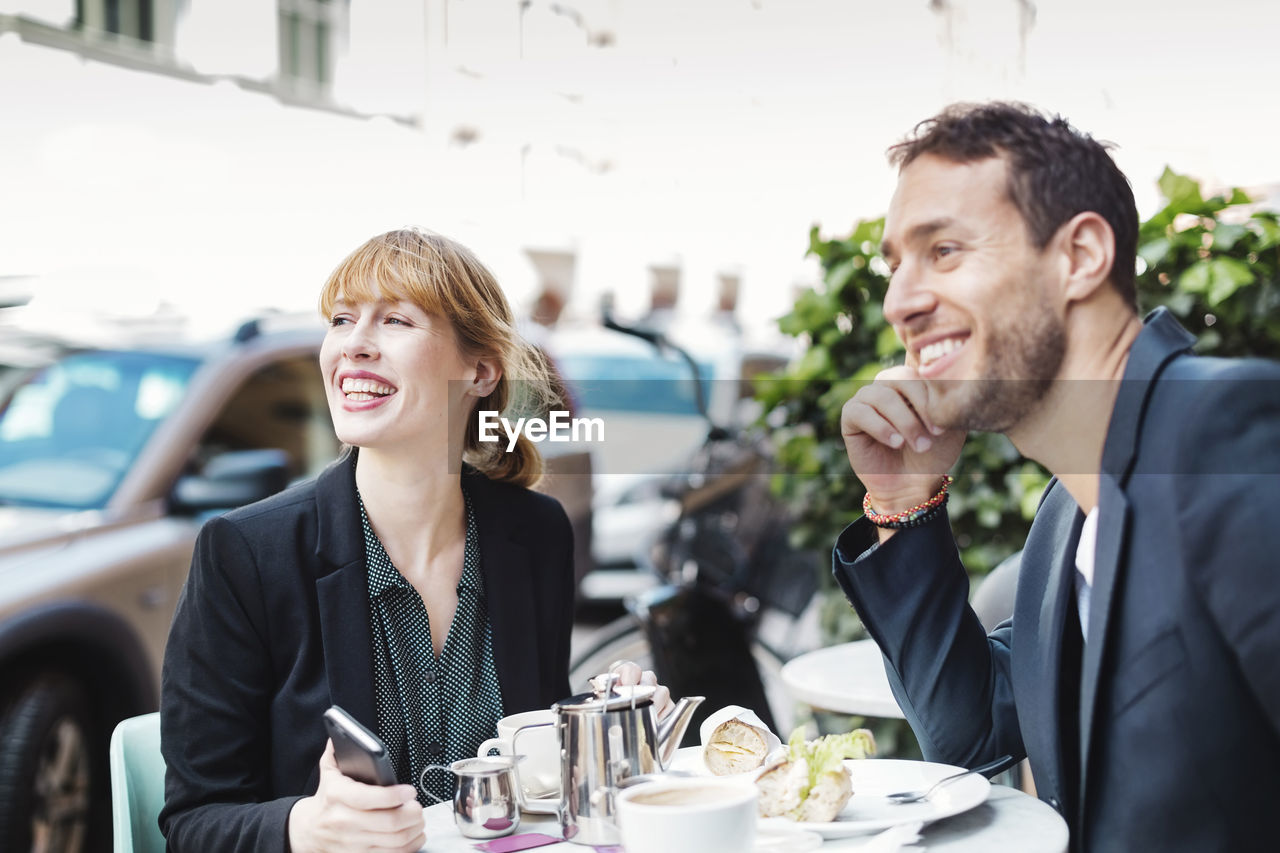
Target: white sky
729,127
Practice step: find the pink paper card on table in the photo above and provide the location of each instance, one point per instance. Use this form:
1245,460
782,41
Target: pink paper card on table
512,843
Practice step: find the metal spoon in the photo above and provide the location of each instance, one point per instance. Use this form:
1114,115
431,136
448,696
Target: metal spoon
1001,764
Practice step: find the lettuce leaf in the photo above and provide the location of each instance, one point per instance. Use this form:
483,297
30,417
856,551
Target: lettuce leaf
827,754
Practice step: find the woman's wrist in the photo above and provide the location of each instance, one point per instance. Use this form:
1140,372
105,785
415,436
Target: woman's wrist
299,824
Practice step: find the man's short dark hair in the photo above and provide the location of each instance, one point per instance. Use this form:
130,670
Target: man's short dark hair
1055,171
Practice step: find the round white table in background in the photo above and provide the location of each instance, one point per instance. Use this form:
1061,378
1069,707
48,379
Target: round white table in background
848,678
1009,820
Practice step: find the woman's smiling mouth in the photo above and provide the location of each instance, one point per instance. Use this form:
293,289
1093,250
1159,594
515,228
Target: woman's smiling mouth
361,390
364,390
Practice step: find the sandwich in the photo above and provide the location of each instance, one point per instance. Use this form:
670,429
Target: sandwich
813,785
735,747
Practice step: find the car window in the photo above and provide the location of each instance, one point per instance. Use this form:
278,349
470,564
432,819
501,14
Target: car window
626,384
281,406
70,432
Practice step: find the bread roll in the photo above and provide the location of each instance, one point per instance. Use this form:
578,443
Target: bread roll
826,798
735,747
780,788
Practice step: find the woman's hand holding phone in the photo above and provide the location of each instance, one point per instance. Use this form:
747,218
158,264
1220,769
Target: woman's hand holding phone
344,814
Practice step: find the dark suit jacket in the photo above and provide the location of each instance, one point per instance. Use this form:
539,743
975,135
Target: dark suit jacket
1168,736
273,627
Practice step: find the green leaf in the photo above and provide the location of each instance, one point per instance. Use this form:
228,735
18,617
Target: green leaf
1239,196
814,363
1160,222
887,342
1208,342
1181,303
872,315
839,393
1197,278
1228,276
868,231
1269,229
1183,192
840,274
1227,235
1155,251
868,372
830,337
817,246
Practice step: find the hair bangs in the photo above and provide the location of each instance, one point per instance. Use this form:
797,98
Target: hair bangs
389,268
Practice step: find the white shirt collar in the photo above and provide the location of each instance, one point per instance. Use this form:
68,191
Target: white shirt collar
1085,552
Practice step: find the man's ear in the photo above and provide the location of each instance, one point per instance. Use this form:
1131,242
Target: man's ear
1088,247
486,378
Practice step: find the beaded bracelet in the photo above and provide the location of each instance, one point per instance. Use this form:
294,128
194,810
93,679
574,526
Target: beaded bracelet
919,514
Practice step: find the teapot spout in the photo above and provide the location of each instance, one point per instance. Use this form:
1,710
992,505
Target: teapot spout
672,729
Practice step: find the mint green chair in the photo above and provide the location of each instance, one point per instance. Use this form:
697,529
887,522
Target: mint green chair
137,785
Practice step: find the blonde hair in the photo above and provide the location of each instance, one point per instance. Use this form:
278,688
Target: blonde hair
444,279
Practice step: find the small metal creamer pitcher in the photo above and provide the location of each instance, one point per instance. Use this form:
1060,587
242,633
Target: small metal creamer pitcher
607,736
487,801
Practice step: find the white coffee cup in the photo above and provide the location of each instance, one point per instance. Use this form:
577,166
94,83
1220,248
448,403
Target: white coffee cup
688,815
533,735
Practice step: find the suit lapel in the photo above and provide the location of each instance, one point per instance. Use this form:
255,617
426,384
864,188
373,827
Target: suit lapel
506,566
1161,340
1057,547
342,593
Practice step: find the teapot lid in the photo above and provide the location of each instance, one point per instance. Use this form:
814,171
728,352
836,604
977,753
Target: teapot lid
608,697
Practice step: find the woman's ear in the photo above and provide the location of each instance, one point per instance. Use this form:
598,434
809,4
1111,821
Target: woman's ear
485,379
1090,251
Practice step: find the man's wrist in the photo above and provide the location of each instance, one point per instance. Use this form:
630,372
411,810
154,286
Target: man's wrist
894,503
891,502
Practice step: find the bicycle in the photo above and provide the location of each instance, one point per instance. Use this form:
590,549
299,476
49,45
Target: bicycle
729,581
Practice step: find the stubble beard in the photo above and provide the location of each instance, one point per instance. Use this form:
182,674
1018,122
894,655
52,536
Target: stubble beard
1022,361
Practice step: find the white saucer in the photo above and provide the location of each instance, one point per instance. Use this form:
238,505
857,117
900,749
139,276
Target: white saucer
542,806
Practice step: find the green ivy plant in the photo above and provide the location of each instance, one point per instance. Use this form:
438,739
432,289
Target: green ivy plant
1214,262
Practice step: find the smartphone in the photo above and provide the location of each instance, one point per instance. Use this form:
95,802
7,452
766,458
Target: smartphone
360,753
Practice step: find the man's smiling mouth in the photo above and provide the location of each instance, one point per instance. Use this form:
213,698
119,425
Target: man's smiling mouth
936,350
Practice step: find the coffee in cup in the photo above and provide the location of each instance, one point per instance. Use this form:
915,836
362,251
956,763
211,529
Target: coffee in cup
687,815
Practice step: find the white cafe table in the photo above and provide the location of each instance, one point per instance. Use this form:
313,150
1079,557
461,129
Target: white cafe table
848,678
1008,820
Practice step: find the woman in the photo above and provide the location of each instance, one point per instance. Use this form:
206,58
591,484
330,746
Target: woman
417,582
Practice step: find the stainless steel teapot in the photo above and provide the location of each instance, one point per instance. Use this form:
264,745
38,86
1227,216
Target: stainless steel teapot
606,737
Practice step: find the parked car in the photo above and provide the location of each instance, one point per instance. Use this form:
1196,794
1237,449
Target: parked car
110,460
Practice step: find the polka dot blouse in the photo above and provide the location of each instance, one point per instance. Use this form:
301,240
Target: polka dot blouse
430,710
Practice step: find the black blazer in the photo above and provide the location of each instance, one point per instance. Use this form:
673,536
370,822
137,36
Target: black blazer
273,627
1167,735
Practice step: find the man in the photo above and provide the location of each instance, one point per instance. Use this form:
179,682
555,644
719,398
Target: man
1140,672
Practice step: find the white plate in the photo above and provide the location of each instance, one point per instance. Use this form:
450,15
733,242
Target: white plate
868,809
688,759
785,840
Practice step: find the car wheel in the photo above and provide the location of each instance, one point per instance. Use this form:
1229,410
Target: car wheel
51,767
